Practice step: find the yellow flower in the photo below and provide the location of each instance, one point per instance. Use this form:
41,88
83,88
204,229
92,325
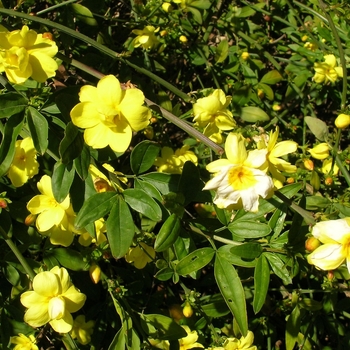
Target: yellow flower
275,150
85,238
172,163
140,255
109,114
183,39
321,151
166,6
82,330
24,343
95,273
52,301
211,113
146,37
239,180
335,236
24,165
327,166
311,46
342,121
189,342
327,71
24,54
244,343
160,344
245,55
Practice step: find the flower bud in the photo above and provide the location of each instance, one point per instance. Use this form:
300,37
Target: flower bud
47,35
183,39
175,312
290,180
3,203
342,121
149,132
276,107
304,38
309,164
245,55
187,310
163,33
330,275
166,6
315,180
261,94
312,243
95,273
321,151
30,219
328,181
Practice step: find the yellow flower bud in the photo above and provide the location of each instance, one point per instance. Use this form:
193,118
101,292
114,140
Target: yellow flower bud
342,121
261,94
315,181
166,6
312,243
290,180
309,164
30,219
245,55
304,38
187,310
328,181
183,39
276,108
163,33
95,273
175,312
321,151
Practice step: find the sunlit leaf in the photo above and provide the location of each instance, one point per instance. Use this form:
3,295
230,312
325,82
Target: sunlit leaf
261,283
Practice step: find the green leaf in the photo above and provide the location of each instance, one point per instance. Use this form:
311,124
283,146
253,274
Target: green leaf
69,258
62,179
143,156
317,202
143,203
225,252
221,51
39,129
164,274
232,291
168,233
12,129
272,77
249,75
95,207
84,14
120,228
12,103
242,95
261,283
118,342
247,250
292,328
318,128
195,261
148,188
249,229
267,91
164,100
253,115
161,327
82,163
165,183
278,267
72,144
216,307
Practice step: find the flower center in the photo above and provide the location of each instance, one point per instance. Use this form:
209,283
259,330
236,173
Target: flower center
241,178
56,308
16,58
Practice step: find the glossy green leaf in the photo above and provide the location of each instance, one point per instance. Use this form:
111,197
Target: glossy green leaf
69,258
168,233
310,304
242,95
253,114
95,207
278,267
148,188
72,144
232,291
118,342
143,156
293,328
62,179
39,129
12,103
84,14
261,283
82,163
165,183
249,229
120,228
221,51
234,259
195,261
318,127
271,77
249,75
164,274
12,129
248,251
161,327
216,306
141,202
267,91
164,100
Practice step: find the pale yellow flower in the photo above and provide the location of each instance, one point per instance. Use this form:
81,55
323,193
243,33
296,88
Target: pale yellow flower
52,300
327,71
327,167
190,341
85,238
24,165
109,114
24,343
24,54
321,151
160,344
244,343
239,180
140,255
275,164
146,37
335,236
82,330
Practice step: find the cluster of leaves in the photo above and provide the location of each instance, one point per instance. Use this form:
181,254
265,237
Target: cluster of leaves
237,270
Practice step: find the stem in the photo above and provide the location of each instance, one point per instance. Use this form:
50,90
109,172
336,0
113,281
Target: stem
54,7
343,170
18,254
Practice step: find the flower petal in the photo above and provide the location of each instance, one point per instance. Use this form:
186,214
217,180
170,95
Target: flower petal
327,257
64,324
85,115
46,284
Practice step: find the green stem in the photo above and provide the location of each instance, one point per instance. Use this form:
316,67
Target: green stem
343,170
54,7
18,254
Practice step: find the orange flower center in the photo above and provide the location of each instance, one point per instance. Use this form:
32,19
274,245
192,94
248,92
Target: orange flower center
241,178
